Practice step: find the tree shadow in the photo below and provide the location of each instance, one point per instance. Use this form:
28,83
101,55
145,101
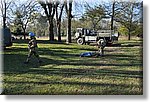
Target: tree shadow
13,64
23,41
15,49
66,55
51,42
9,91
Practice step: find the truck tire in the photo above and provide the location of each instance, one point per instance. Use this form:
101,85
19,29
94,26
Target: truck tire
80,41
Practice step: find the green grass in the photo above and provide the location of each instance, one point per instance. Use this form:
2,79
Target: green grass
119,72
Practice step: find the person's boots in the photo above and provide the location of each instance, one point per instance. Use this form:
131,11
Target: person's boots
27,61
40,61
102,53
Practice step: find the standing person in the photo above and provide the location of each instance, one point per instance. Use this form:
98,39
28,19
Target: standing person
101,45
33,48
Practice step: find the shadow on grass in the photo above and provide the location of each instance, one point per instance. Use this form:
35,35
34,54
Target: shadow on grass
15,49
13,64
70,72
74,83
113,87
16,60
22,41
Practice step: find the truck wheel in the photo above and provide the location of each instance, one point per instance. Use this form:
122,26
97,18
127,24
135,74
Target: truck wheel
80,41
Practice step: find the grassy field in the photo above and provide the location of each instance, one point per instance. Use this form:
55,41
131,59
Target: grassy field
119,72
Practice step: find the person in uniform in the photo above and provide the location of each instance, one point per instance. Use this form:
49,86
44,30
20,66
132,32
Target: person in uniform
33,48
101,45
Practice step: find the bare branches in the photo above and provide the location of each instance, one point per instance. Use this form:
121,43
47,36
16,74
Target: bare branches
49,8
128,16
24,13
61,6
4,6
94,14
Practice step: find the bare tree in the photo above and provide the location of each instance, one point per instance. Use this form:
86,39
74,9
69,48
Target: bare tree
113,14
49,9
129,15
58,18
68,7
112,9
4,6
94,14
25,13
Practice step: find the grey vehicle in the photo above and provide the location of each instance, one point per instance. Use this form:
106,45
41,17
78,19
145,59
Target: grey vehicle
6,37
86,36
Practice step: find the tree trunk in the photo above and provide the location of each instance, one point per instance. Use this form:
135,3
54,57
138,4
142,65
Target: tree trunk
4,22
24,33
49,9
58,20
68,40
130,26
129,35
51,33
112,16
59,31
94,26
4,16
24,30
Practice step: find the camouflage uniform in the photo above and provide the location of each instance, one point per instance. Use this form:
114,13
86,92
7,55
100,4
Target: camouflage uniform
33,49
101,45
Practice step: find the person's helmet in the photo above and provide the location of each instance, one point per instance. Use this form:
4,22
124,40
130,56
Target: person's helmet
31,34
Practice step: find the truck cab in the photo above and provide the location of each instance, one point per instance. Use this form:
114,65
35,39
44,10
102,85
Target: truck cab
84,35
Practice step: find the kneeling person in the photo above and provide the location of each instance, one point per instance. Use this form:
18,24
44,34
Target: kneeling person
101,45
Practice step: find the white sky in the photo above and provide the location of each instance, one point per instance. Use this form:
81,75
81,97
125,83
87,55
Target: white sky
78,10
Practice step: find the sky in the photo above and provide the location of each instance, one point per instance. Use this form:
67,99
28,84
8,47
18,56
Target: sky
78,6
78,10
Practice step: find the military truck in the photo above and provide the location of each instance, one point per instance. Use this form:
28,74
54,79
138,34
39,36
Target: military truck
86,36
6,37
